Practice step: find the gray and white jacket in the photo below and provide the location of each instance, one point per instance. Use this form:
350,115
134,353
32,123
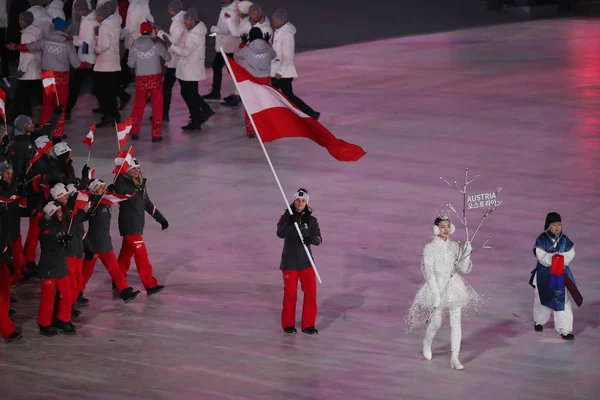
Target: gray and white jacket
258,55
145,56
58,52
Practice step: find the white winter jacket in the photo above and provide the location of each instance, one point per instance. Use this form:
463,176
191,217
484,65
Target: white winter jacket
176,32
138,12
87,35
191,52
107,46
283,44
239,28
55,10
41,19
30,63
224,37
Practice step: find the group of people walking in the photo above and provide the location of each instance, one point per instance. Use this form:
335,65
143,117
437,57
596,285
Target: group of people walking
90,41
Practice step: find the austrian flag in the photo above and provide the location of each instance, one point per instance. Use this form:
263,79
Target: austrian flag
89,138
276,117
123,129
123,161
110,198
49,82
3,104
81,202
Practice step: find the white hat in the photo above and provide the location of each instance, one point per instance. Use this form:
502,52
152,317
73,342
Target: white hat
71,189
134,164
244,6
301,194
59,190
61,148
95,184
50,209
41,141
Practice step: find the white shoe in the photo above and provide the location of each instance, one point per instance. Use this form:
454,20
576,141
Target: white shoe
427,350
455,364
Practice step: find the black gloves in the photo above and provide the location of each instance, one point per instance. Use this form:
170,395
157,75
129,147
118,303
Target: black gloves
292,218
85,171
244,37
88,255
97,30
65,240
111,188
19,74
162,221
59,109
267,37
307,240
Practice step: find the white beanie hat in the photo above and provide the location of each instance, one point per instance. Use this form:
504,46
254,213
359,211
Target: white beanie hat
134,164
41,141
59,190
50,209
301,194
244,6
95,184
61,148
71,189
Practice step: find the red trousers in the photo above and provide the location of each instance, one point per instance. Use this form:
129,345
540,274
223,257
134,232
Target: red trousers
32,239
45,315
249,127
7,327
145,84
112,266
308,282
134,246
18,259
49,102
75,267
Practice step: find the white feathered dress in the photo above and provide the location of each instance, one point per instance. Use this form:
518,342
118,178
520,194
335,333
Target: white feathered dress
437,265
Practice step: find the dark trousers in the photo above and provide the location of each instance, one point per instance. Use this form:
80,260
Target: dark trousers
194,102
26,93
168,83
78,77
125,76
285,86
105,87
4,53
217,66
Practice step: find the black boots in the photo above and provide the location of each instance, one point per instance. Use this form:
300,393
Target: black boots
65,327
82,301
538,327
290,330
128,294
48,331
311,330
14,336
156,289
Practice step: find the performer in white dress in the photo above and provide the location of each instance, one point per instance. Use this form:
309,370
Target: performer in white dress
444,289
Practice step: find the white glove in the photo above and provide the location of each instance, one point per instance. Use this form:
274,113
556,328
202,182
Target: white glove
214,29
468,248
437,301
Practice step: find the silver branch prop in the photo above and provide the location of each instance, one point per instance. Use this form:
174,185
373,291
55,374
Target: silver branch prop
463,219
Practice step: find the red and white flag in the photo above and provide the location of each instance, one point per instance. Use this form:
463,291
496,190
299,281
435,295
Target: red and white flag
111,198
49,82
10,199
3,104
123,129
89,138
80,202
40,152
92,174
45,190
123,161
276,117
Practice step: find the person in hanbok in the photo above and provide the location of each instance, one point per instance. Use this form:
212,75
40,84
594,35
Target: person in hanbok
555,289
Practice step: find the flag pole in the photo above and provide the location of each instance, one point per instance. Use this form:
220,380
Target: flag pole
89,155
117,131
287,204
